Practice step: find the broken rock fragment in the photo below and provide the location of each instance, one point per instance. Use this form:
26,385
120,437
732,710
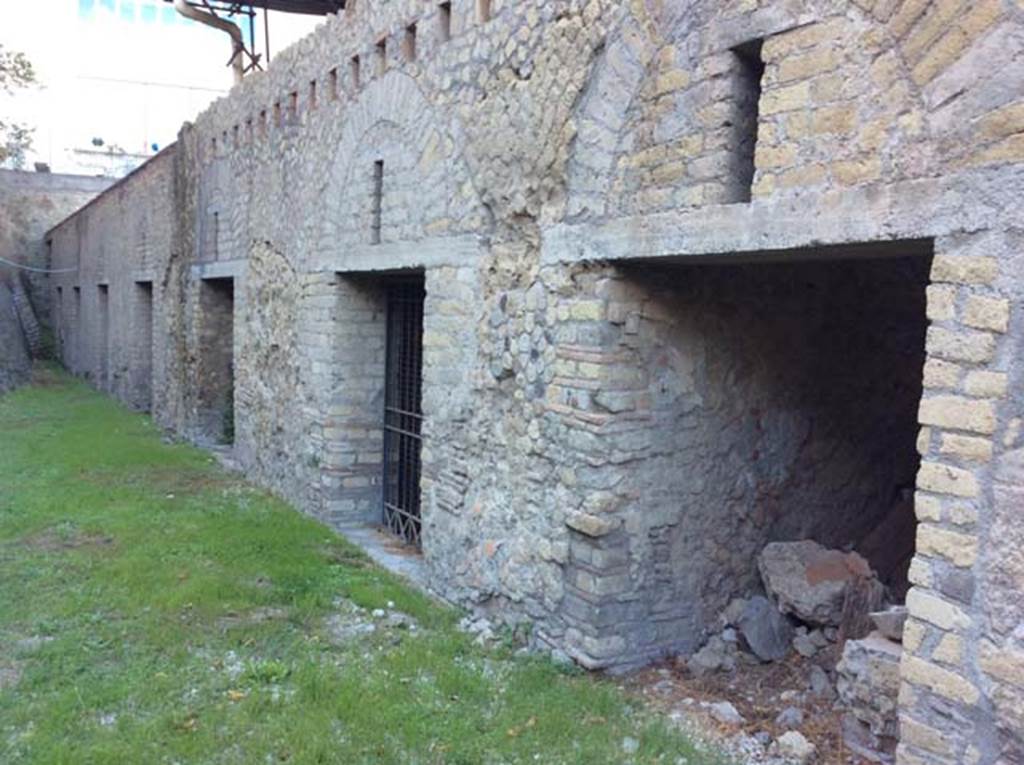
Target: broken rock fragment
767,632
810,581
794,747
890,622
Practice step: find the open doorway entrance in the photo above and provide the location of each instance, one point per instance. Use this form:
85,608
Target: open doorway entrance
103,351
216,394
769,496
143,325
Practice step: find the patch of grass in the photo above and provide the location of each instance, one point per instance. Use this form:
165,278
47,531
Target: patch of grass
156,610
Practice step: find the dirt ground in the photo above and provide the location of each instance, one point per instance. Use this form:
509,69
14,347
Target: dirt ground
759,692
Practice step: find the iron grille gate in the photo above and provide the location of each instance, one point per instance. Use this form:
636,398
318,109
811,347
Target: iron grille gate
403,413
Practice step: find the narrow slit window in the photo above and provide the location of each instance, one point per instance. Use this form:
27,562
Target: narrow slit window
483,11
749,77
377,209
312,94
382,55
444,22
409,44
235,134
215,236
277,114
263,122
293,105
332,82
353,68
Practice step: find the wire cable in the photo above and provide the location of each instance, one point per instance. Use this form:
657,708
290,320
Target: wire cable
38,270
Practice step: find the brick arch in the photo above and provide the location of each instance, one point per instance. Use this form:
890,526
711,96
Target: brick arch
392,118
924,75
602,112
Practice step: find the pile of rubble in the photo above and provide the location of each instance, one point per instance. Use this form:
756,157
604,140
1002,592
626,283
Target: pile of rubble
825,606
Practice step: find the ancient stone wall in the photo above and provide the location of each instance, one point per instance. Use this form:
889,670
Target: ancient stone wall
30,203
110,300
536,166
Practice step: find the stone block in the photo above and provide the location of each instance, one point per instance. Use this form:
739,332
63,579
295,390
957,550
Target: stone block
967,447
986,384
965,269
945,479
987,313
941,374
786,98
935,610
917,734
963,345
943,682
591,525
941,302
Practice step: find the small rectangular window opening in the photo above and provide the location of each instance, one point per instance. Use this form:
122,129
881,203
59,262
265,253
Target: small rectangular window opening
378,202
215,236
312,94
263,122
750,74
277,114
409,44
293,105
248,130
235,134
382,55
332,84
353,68
444,22
483,11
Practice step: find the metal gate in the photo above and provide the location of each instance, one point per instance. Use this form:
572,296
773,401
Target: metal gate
403,413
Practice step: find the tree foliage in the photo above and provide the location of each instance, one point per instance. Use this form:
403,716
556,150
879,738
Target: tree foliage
16,73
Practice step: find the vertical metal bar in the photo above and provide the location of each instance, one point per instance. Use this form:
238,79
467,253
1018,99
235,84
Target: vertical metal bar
266,32
386,467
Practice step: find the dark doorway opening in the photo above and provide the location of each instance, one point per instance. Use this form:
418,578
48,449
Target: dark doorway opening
217,367
144,346
103,352
403,411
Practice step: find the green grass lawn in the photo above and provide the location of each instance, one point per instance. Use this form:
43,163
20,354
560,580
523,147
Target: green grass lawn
154,609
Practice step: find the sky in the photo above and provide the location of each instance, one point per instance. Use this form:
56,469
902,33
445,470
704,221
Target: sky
127,72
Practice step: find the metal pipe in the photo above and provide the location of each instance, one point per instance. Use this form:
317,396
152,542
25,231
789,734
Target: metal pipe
237,61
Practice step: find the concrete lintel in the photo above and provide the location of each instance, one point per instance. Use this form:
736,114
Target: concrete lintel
219,269
143,276
911,210
434,252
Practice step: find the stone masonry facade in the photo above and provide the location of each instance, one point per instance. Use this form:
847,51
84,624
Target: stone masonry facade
699,275
30,203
